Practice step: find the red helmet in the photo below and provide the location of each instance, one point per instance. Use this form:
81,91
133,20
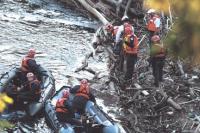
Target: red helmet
65,93
31,52
155,38
109,27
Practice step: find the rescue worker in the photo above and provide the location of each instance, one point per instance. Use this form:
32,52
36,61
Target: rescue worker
157,56
82,95
153,23
31,90
129,47
29,64
112,31
64,111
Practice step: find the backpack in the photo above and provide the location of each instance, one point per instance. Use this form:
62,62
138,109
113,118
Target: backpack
128,35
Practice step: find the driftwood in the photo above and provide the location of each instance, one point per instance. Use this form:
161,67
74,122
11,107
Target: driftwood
93,11
180,67
127,7
106,10
169,100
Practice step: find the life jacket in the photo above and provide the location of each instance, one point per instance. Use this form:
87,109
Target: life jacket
60,106
83,91
24,64
151,23
157,50
130,44
38,90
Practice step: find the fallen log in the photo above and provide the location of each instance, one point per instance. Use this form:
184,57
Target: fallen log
127,7
93,11
106,10
169,100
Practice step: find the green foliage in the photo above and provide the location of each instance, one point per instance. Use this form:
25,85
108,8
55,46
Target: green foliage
184,39
5,124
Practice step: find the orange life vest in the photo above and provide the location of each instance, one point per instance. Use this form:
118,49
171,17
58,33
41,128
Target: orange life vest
130,45
60,106
131,50
151,23
38,90
24,64
83,91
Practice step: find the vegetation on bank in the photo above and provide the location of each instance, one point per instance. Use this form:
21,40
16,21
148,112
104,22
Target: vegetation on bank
184,37
4,101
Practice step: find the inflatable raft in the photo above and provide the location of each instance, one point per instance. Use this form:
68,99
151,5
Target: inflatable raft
97,120
47,83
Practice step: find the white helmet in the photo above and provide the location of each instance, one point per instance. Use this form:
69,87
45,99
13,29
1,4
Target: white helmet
125,18
151,11
29,75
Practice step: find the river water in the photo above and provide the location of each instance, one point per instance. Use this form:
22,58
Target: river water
61,37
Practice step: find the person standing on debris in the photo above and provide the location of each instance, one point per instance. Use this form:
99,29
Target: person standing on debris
82,95
153,23
129,46
157,57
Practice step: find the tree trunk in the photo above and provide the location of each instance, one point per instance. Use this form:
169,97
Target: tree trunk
93,11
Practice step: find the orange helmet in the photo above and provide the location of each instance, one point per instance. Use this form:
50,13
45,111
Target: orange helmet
31,52
65,94
155,38
28,75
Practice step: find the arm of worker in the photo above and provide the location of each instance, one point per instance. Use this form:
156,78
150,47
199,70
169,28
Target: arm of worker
119,34
92,97
74,89
157,23
34,88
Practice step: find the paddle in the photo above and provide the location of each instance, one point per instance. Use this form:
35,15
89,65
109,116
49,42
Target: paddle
34,108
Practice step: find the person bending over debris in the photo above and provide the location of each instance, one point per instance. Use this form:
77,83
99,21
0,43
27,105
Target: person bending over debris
157,57
129,46
112,31
82,95
64,111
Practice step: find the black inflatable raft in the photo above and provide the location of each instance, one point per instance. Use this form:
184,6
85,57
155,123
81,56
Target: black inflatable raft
100,122
47,85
